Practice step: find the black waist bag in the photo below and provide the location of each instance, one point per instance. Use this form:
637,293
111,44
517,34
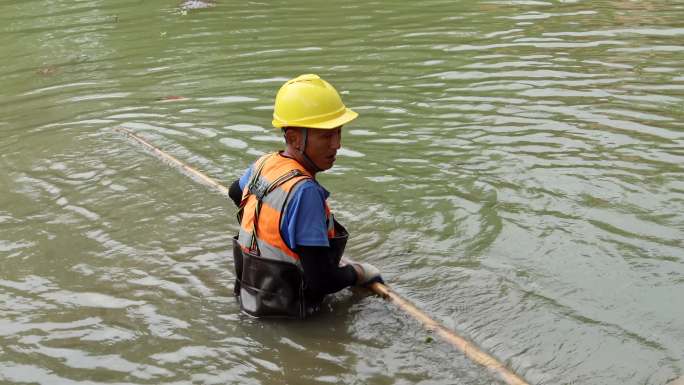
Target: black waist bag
268,288
338,243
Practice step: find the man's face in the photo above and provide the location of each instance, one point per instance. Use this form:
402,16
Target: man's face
322,146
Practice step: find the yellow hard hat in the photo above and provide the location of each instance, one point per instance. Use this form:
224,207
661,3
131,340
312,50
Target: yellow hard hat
309,101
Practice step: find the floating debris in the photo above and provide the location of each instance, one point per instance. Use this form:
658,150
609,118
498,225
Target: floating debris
169,98
188,5
47,70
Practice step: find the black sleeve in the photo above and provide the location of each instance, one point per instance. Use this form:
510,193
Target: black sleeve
320,275
235,192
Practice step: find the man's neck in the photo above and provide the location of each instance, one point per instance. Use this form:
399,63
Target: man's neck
296,155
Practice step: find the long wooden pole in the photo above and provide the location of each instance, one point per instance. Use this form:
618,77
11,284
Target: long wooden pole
468,348
166,157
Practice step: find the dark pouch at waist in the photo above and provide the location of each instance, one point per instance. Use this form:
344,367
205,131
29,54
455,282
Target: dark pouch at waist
237,264
338,243
267,288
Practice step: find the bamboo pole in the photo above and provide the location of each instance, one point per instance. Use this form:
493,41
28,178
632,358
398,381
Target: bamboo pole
164,156
469,349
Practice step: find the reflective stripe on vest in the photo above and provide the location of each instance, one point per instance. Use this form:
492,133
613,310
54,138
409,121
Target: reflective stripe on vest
269,241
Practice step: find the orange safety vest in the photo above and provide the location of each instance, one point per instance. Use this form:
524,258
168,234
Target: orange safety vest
269,275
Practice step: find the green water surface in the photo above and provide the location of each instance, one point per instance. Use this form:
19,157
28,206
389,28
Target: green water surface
516,171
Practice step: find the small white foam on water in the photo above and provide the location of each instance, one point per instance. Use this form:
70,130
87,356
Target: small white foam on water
292,344
382,178
227,99
267,80
161,284
159,325
255,152
13,328
112,95
44,185
207,132
83,175
391,140
78,359
118,187
268,365
82,211
136,115
304,49
267,138
19,373
350,153
6,246
83,269
362,133
233,143
183,125
59,166
112,246
30,284
245,128
185,353
90,299
410,160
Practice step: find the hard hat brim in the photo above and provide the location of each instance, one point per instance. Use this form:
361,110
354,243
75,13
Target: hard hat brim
341,120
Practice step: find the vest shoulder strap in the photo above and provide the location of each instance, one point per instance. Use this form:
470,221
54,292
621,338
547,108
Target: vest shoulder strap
259,188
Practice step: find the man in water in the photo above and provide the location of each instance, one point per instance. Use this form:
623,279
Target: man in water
287,254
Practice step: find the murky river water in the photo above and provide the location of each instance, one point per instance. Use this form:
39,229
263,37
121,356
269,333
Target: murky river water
517,172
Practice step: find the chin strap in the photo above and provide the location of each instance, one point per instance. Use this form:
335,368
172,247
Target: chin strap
309,163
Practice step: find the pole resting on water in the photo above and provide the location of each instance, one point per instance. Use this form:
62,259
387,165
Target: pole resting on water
168,158
468,348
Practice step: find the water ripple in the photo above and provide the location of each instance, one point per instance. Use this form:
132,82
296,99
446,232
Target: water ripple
515,171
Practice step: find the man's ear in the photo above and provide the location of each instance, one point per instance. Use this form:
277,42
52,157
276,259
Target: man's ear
292,137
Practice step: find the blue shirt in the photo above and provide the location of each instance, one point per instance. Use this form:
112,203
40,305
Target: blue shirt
304,222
